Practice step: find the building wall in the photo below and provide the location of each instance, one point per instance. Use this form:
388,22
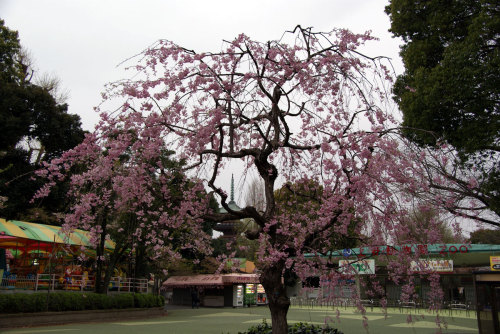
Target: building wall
181,296
456,287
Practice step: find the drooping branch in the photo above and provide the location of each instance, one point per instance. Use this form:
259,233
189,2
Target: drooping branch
303,111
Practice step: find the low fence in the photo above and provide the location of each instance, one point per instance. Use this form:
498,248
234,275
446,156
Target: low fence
73,282
451,306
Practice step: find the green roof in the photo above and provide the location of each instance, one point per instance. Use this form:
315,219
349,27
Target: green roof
461,254
232,205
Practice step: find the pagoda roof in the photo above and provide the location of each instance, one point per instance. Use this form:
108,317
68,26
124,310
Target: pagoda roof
232,205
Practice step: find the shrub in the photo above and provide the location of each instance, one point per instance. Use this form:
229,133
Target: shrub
65,301
40,302
148,300
13,302
249,299
304,328
89,301
263,328
124,300
138,300
298,328
75,301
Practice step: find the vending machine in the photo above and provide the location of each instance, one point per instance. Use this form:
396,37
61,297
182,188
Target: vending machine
238,295
261,295
250,294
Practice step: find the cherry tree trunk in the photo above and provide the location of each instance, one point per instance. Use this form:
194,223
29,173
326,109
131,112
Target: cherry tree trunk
279,303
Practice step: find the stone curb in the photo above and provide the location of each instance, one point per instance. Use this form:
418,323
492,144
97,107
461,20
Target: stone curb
61,318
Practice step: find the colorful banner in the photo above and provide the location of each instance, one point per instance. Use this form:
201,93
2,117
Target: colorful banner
440,266
361,267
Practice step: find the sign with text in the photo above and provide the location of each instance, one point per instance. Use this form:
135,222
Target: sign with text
495,263
440,266
361,267
421,249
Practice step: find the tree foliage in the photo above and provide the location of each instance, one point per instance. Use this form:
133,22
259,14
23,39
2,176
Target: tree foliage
11,69
461,191
303,201
33,128
485,236
133,193
422,219
449,92
307,107
451,79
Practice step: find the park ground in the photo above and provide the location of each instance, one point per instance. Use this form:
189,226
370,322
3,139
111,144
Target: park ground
229,320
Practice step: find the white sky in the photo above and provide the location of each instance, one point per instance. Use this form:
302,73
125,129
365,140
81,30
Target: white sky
83,41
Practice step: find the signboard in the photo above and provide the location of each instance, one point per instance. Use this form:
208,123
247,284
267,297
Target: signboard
440,266
495,263
361,267
422,249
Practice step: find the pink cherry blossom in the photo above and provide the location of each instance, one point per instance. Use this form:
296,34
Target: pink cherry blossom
307,109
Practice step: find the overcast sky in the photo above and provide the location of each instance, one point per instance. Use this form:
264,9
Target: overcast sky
83,41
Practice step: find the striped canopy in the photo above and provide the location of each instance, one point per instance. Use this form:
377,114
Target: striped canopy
24,236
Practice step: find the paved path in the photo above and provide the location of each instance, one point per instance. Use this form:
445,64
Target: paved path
229,320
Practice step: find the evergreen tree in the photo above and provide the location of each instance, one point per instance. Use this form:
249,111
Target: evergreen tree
33,129
449,93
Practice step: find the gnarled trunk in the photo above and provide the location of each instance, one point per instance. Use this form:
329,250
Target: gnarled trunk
279,303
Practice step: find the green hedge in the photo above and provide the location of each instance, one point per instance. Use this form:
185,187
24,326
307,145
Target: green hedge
74,301
297,328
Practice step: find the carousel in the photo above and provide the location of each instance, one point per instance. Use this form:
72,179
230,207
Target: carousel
36,256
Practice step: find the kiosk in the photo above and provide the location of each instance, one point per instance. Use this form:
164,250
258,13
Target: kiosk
487,286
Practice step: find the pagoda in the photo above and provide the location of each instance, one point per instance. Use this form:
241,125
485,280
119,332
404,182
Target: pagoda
229,228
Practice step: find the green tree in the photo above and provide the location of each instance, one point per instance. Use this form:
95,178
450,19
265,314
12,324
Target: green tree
424,225
33,128
122,225
303,200
11,70
452,75
485,236
449,92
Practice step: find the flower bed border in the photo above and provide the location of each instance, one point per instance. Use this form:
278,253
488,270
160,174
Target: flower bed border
68,317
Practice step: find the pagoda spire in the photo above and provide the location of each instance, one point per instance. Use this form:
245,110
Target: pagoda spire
232,188
229,228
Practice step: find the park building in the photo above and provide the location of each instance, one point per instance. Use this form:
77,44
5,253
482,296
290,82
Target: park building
456,264
469,275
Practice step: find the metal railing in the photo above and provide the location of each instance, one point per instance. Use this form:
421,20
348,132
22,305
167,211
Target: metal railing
71,283
453,307
128,284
